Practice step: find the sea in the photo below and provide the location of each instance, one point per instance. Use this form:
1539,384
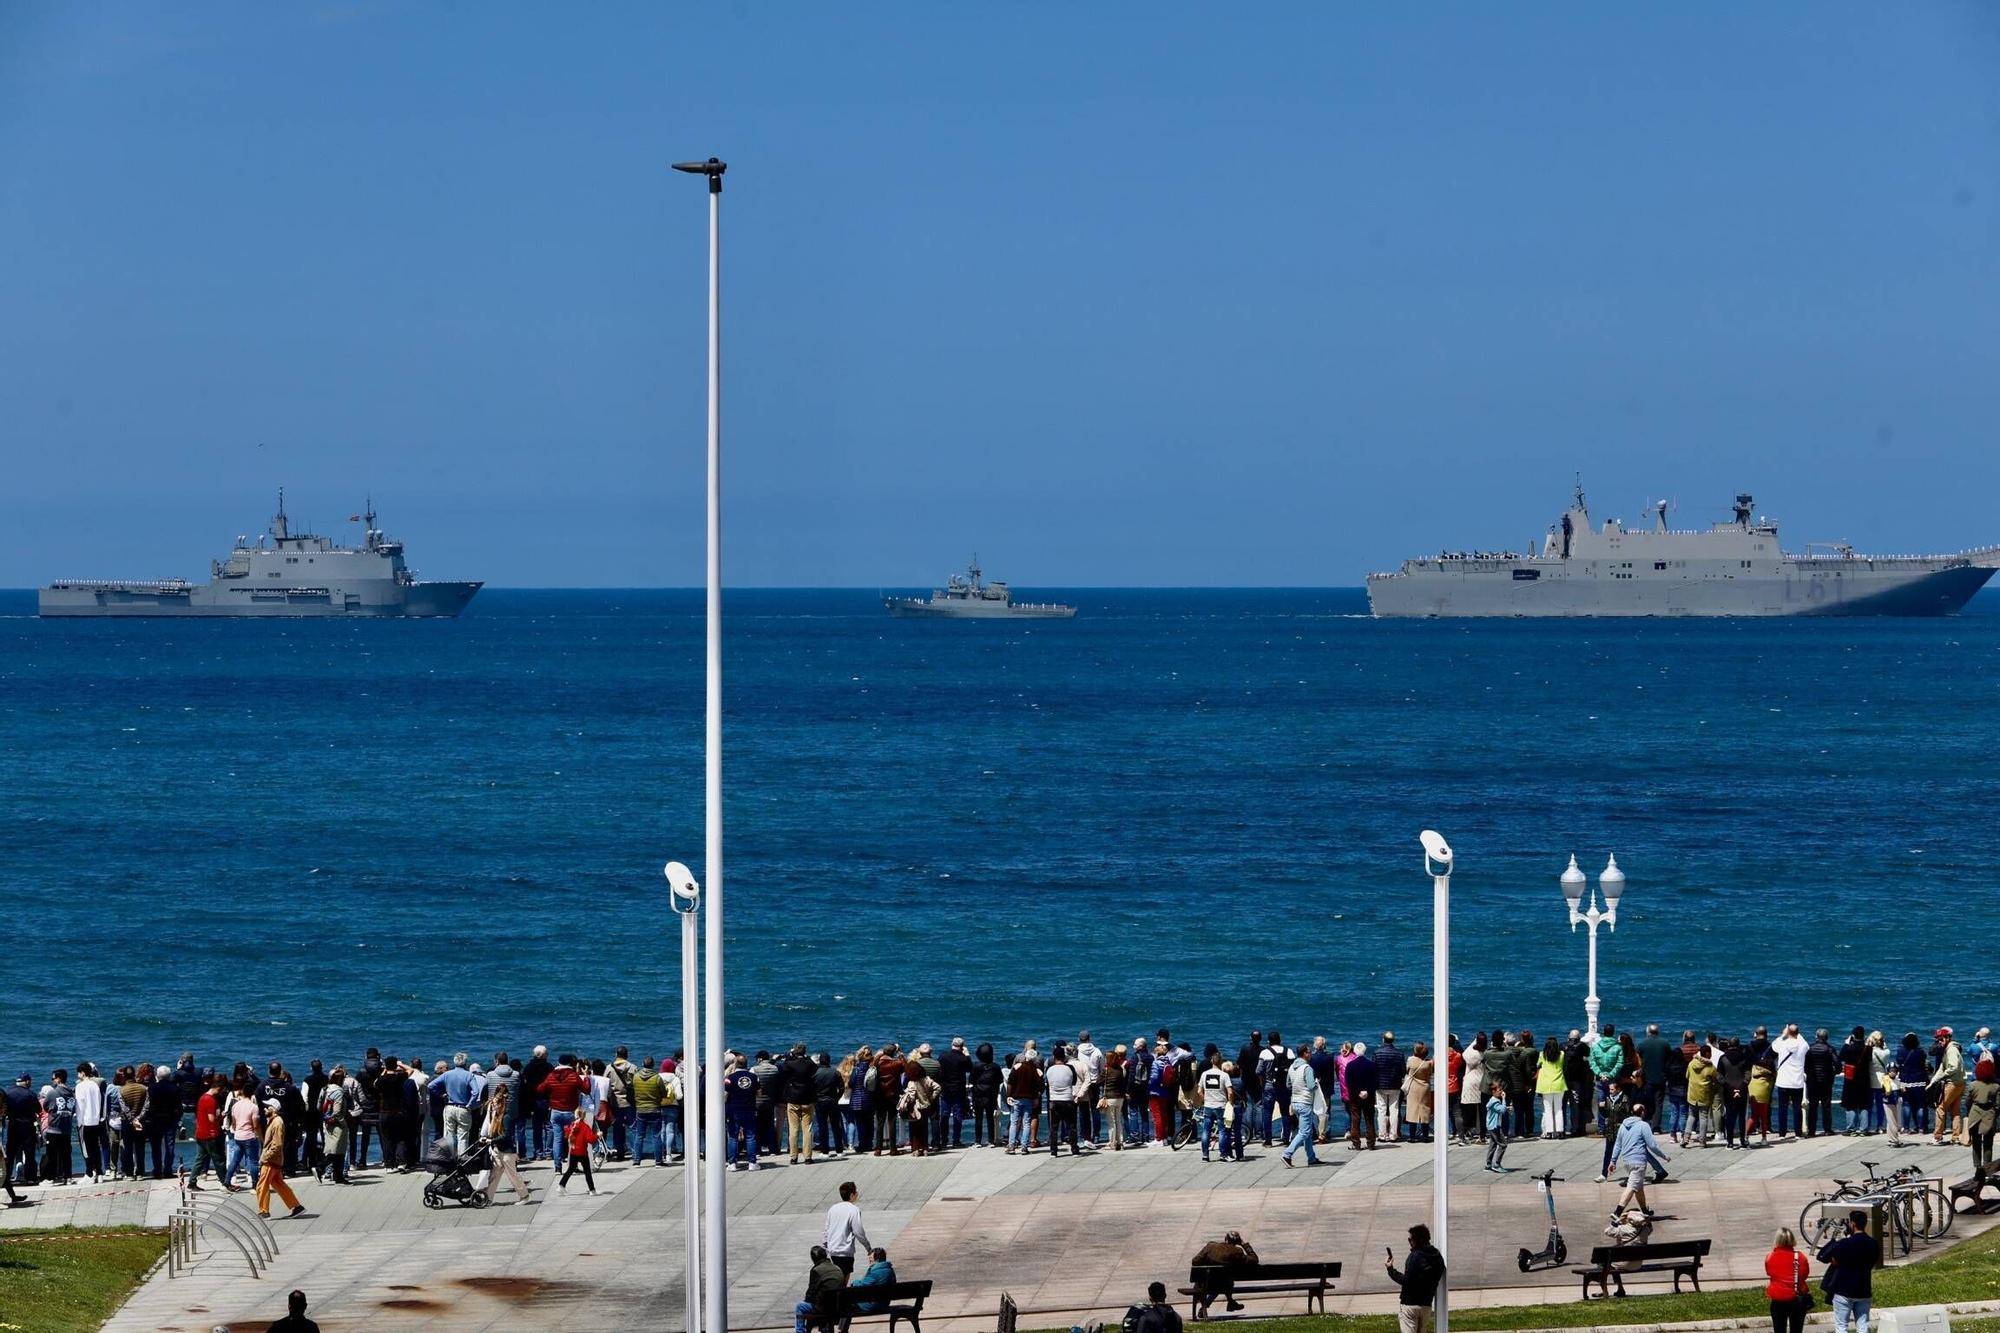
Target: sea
1186,808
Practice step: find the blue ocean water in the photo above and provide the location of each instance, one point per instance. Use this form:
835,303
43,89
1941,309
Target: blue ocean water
1192,808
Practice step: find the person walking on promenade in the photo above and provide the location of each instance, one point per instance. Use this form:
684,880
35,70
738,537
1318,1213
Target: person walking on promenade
1851,1261
1110,1098
845,1235
797,1090
1579,1086
1024,1087
271,1164
1948,1081
1856,1083
1607,1066
90,1119
1391,1064
497,1129
1789,1054
649,1092
1822,1066
208,1149
1982,1116
1422,1274
1496,1137
823,1287
335,1110
581,1132
1787,1270
954,1093
1230,1255
1302,1085
1361,1088
1551,1087
986,1081
1418,1075
1634,1152
1472,1093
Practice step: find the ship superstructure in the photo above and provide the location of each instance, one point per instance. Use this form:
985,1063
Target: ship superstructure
282,573
1733,568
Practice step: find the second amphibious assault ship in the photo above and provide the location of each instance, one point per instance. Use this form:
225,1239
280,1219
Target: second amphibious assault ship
1735,568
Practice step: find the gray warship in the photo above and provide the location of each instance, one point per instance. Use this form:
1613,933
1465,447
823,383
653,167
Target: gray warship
1733,568
282,573
968,596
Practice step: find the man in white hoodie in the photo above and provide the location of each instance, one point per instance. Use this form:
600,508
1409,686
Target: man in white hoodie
1789,1051
90,1119
1090,1066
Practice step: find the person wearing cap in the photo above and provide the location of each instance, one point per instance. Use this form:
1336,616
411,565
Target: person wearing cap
271,1163
24,1113
1949,1081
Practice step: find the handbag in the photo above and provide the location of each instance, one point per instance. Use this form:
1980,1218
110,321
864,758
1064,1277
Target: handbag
1804,1299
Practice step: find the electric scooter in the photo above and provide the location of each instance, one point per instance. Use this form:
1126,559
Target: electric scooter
1554,1253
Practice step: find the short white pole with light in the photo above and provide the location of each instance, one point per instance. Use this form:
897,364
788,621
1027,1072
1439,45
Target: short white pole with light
717,1268
685,894
1612,884
1437,864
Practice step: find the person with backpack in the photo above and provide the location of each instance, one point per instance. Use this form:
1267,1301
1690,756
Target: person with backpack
1155,1316
1273,1064
624,1115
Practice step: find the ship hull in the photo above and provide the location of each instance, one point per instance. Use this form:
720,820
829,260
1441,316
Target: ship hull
910,608
372,600
1579,589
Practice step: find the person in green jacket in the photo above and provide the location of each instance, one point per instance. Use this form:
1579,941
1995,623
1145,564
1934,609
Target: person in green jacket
1607,1064
648,1105
1702,1088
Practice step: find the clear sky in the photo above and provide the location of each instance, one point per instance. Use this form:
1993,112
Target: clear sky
1113,294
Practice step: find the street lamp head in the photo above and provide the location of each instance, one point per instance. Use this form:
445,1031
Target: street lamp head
1437,852
1611,883
685,892
1572,885
713,169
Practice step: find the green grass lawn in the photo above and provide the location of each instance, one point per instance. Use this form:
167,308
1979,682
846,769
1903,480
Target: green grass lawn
73,1279
1966,1272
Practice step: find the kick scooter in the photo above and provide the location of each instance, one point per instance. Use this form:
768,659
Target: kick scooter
1554,1253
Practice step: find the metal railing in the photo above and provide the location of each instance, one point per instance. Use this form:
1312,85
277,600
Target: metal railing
195,1219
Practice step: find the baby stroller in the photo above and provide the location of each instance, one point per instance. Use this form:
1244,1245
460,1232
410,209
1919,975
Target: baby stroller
451,1175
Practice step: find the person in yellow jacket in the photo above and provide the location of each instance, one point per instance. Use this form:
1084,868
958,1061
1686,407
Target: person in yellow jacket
1763,1078
1550,1086
271,1164
1702,1089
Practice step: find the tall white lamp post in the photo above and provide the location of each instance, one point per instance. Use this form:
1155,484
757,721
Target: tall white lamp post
1437,864
1612,884
717,1267
685,895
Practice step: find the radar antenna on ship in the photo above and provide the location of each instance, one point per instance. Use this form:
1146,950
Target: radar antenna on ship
279,528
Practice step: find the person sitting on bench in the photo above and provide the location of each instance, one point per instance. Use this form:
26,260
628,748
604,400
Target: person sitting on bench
880,1274
1230,1254
823,1286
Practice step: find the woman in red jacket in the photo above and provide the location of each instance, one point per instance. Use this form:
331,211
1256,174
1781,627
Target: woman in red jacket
1788,1270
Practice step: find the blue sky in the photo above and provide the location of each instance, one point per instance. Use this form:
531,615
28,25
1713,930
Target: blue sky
1114,294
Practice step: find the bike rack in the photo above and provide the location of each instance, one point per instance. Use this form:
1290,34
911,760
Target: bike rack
182,1229
239,1212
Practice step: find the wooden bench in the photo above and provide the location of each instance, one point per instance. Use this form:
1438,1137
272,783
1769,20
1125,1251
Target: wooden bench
1313,1280
897,1301
1972,1192
1611,1264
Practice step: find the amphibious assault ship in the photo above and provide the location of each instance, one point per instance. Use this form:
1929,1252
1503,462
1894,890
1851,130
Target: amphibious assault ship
282,573
968,596
1732,569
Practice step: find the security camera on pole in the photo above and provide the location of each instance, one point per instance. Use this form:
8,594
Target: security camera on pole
1437,864
1612,884
685,894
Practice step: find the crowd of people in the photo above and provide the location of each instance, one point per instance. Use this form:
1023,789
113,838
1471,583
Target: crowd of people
1697,1091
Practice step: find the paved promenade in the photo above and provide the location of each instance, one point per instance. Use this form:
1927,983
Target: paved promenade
1069,1238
